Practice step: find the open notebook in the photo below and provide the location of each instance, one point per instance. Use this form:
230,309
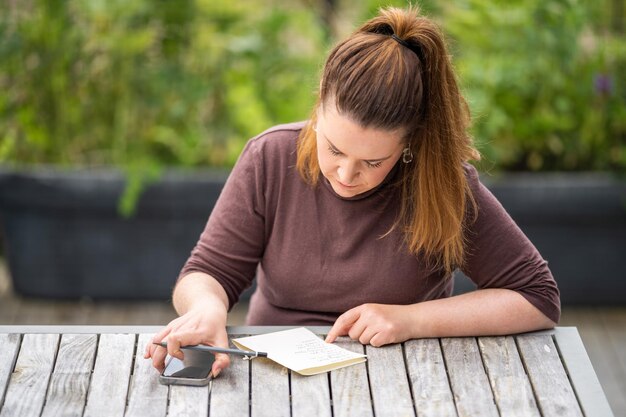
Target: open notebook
300,350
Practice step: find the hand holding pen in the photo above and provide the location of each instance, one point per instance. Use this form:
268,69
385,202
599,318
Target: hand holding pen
247,354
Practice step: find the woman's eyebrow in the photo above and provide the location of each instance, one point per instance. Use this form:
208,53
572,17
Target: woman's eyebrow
366,160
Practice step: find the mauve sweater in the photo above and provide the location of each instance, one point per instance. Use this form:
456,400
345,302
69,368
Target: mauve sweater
315,254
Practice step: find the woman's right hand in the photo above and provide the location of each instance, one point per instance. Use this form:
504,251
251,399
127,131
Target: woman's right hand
203,324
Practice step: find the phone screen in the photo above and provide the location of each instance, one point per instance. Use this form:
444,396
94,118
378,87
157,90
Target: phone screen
196,365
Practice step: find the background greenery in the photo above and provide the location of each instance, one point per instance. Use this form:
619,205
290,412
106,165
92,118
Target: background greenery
145,84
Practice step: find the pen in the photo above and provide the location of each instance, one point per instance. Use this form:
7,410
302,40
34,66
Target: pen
213,349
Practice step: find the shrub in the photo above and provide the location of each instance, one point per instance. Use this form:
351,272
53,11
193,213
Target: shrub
146,84
153,83
545,80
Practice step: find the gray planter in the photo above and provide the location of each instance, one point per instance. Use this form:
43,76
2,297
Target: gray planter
578,223
64,237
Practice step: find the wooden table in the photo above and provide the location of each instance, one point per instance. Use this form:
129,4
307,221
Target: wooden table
100,371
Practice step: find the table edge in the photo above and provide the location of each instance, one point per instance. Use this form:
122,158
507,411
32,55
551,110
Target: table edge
583,377
106,329
127,329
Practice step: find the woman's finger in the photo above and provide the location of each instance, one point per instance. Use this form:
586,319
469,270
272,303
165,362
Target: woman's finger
366,335
378,340
158,338
173,347
147,352
158,358
357,329
343,324
222,361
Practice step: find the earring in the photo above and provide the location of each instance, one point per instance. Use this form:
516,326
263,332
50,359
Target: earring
315,129
407,155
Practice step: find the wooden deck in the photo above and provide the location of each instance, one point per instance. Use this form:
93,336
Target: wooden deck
603,330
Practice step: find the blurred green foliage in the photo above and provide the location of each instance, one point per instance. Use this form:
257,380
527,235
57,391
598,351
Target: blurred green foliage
546,81
152,83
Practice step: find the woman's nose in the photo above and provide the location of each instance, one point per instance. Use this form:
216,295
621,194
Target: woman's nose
346,172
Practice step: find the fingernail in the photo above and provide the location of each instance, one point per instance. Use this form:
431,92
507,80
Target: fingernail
216,372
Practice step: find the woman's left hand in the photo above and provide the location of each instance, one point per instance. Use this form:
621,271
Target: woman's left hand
375,324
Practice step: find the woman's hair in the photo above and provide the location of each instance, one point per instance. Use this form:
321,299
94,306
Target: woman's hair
406,81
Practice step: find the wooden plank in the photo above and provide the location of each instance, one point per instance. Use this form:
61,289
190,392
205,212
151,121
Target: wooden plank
269,389
596,337
150,312
9,346
552,388
137,312
389,381
509,383
188,401
310,395
237,315
113,313
582,376
5,279
230,395
69,383
9,307
29,381
42,311
146,397
469,382
350,386
429,380
111,376
614,320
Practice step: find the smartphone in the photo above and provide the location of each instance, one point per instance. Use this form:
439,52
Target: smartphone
194,369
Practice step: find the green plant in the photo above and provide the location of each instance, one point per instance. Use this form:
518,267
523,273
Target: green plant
147,84
546,80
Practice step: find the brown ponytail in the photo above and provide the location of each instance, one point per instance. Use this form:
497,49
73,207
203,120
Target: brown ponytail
406,81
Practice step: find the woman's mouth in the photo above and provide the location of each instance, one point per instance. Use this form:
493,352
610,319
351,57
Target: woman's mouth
349,187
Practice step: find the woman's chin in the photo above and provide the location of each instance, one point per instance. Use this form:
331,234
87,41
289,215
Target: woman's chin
346,191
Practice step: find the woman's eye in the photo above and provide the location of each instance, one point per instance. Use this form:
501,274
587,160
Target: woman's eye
334,152
376,165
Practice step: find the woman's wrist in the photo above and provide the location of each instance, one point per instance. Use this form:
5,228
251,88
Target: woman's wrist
198,291
418,324
209,304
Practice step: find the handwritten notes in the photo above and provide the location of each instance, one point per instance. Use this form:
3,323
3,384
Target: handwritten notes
301,351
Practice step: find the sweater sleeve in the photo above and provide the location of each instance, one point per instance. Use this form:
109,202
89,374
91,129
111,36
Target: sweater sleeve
232,243
501,256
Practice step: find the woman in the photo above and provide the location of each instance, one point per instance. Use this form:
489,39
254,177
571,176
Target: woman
357,218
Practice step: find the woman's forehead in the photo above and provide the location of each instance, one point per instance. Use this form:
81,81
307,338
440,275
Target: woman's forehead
328,114
353,139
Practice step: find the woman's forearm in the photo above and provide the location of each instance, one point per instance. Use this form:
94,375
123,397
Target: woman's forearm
483,312
197,289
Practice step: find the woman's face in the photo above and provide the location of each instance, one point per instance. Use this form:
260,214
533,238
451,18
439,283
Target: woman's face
354,159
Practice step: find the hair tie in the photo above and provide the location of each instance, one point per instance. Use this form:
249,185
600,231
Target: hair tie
400,41
416,49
